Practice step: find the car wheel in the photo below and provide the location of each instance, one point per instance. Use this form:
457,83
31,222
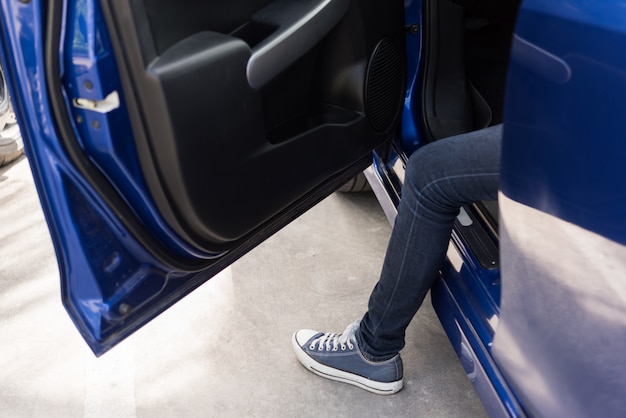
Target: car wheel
11,144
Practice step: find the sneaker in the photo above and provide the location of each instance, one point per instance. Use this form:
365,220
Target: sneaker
11,144
338,357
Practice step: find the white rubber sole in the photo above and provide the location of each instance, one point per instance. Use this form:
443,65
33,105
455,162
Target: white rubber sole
380,388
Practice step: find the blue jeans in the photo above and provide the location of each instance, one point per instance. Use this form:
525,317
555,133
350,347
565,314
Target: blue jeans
440,178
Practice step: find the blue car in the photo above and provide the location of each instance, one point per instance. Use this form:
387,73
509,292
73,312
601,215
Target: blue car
167,139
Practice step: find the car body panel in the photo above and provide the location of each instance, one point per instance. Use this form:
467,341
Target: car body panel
562,334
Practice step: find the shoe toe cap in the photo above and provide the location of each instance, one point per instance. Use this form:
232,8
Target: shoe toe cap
304,335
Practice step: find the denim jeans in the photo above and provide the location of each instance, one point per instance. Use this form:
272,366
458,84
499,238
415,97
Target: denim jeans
440,178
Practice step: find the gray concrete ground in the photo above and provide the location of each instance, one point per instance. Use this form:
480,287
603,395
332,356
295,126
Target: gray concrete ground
225,350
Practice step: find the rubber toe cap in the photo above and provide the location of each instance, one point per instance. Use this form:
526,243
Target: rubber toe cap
304,335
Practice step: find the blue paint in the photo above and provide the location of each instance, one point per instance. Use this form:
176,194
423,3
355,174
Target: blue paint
564,148
563,169
411,136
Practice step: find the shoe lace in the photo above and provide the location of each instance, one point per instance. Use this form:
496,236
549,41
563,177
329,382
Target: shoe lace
333,341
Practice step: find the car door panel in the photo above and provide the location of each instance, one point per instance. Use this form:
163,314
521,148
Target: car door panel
158,163
560,339
197,105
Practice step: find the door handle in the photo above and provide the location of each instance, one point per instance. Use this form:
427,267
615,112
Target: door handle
299,25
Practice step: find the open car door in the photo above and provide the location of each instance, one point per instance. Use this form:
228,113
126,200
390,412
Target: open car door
560,340
168,138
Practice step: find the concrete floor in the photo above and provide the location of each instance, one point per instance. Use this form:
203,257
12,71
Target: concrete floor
225,350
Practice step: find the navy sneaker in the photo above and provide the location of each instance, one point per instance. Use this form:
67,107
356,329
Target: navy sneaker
338,357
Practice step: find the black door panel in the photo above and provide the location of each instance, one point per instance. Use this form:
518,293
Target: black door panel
222,158
169,22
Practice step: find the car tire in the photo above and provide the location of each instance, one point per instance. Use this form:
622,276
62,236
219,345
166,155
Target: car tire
357,184
11,144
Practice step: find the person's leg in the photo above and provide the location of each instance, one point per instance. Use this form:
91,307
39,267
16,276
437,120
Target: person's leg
440,178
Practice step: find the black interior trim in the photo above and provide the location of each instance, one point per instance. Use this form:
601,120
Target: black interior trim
483,245
447,98
468,45
297,27
205,136
488,212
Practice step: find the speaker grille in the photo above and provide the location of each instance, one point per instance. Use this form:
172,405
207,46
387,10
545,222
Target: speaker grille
384,85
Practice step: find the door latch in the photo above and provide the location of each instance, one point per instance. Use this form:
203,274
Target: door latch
111,102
